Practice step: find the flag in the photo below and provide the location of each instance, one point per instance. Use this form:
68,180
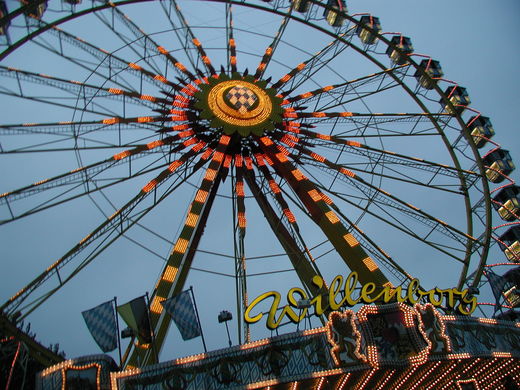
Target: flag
497,284
135,314
181,309
101,322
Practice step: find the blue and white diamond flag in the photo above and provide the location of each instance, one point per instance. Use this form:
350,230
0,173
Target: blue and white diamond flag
181,309
101,322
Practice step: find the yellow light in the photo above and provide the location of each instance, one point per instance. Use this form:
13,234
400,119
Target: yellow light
156,306
191,219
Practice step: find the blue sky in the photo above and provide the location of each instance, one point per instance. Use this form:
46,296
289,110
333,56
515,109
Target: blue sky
475,42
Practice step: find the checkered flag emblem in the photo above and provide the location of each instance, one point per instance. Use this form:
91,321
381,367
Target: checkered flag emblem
181,309
241,98
101,322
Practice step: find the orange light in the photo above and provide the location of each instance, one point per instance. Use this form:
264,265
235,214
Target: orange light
180,66
315,196
224,140
285,78
269,51
249,162
343,114
262,66
298,175
121,155
147,188
266,141
210,174
189,142
306,95
238,160
242,222
156,306
174,165
218,157
371,265
317,157
115,91
227,160
110,121
206,154
144,119
326,199
199,146
324,137
332,217
201,196
289,215
196,42
354,143
347,172
191,219
239,187
162,50
301,66
160,78
169,273
134,66
154,144
274,187
351,240
327,88
319,114
181,245
281,157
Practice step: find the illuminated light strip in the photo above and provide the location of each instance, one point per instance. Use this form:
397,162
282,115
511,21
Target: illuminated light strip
249,162
315,196
348,173
408,375
289,215
186,133
160,78
206,154
115,91
268,159
371,265
218,157
266,141
502,354
238,160
283,150
191,220
260,159
155,144
389,375
110,121
145,119
321,381
326,199
343,381
227,160
134,66
368,376
199,146
281,157
242,221
156,306
274,187
239,188
446,372
179,118
201,196
298,175
181,245
150,185
169,273
189,142
351,240
174,165
210,174
332,217
317,157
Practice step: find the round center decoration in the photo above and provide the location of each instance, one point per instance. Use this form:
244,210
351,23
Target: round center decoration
239,104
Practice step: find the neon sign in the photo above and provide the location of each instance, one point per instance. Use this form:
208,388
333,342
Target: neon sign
461,301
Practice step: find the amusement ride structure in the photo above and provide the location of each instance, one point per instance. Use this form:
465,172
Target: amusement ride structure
160,145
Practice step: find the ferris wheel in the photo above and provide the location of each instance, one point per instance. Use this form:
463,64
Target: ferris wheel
236,147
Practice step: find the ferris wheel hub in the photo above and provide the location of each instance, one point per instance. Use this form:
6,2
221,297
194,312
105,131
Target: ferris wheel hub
239,104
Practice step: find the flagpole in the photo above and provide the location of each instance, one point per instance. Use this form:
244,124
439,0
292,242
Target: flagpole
198,319
151,328
118,334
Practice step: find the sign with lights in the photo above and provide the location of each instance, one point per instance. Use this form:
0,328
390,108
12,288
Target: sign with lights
342,293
